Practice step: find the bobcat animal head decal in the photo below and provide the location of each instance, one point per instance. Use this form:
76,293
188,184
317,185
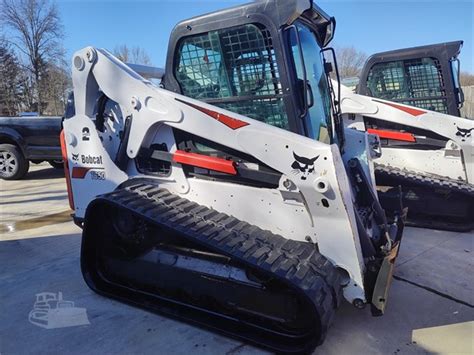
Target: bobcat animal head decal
464,133
303,166
75,157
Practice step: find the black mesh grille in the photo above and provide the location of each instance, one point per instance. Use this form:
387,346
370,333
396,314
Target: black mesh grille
425,77
438,105
252,59
199,69
272,109
416,82
234,69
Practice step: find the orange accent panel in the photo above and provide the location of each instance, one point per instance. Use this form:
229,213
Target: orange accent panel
398,136
79,172
66,170
205,161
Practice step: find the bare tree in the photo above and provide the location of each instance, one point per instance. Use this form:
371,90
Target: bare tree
28,97
350,61
36,32
134,55
466,79
10,83
55,86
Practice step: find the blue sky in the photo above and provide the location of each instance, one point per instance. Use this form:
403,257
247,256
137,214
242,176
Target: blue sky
370,26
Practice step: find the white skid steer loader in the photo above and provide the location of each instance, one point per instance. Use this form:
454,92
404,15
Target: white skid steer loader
232,198
429,154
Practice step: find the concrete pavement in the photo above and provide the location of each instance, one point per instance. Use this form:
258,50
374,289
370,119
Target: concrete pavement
430,308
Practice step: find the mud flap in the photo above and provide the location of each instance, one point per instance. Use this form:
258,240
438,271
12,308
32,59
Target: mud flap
384,280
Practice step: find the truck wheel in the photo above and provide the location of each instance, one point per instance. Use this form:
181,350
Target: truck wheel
13,165
57,164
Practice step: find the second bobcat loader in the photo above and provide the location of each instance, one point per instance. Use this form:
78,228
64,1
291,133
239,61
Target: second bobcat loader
413,101
232,198
429,154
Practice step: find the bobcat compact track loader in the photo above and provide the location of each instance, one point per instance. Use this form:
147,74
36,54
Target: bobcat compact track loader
252,227
429,154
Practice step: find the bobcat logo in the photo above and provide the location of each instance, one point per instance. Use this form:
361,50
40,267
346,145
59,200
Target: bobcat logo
75,157
464,133
303,165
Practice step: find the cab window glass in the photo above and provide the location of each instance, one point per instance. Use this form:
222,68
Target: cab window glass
235,69
416,82
318,117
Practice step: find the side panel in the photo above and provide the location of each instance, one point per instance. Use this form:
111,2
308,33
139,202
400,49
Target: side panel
92,171
456,159
433,161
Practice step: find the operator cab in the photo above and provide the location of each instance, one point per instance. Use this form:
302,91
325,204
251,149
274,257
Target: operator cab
263,60
425,77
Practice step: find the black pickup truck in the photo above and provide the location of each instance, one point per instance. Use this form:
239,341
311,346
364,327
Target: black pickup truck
28,139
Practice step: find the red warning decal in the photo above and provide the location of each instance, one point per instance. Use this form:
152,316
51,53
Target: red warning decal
411,110
230,122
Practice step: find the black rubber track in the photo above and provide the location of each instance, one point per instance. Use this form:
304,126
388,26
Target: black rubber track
393,176
296,264
424,180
